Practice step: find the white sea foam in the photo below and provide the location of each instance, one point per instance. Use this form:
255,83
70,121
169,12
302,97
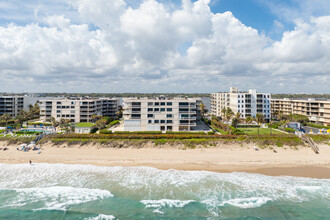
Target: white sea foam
57,197
157,205
102,217
245,203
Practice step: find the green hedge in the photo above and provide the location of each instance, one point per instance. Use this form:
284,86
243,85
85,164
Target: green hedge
28,132
184,132
105,131
210,132
137,132
114,122
317,126
290,130
247,126
40,123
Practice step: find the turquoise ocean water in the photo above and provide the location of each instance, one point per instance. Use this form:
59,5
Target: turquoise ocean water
58,191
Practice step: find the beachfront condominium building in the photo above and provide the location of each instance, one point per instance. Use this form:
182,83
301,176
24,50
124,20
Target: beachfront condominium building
78,109
317,110
246,103
161,114
11,104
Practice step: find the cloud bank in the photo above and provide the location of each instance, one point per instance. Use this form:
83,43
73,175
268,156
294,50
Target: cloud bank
110,46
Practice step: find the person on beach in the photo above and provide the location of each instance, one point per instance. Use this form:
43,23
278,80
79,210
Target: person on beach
30,162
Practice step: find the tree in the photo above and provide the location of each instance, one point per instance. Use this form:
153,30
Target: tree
229,114
120,112
234,122
223,112
248,120
284,122
203,110
100,124
5,117
54,122
96,117
271,126
259,119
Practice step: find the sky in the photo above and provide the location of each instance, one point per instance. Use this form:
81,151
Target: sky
164,46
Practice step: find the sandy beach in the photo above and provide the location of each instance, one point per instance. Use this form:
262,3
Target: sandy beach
227,158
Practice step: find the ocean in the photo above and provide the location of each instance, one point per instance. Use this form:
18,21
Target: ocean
59,191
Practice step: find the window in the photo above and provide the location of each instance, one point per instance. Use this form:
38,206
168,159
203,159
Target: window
150,103
162,121
156,109
239,106
150,115
72,116
169,116
242,101
156,121
58,111
59,106
238,111
239,101
238,96
59,103
72,111
162,109
162,103
149,121
150,109
157,103
169,122
58,116
169,109
169,103
72,106
72,103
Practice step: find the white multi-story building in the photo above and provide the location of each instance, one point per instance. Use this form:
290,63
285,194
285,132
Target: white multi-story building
246,103
161,114
78,109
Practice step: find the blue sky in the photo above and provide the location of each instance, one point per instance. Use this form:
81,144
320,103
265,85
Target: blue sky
164,45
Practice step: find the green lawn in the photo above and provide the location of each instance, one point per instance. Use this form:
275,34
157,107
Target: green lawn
261,131
84,125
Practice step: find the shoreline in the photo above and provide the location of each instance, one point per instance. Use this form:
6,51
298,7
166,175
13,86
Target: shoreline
223,159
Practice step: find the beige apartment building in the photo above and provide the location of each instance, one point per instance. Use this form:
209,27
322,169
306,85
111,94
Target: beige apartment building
246,103
317,110
161,114
78,109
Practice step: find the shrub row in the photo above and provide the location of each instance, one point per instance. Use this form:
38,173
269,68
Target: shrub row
40,123
290,130
28,132
247,126
185,132
317,126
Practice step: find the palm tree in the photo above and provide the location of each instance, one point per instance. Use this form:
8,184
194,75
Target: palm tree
270,126
284,122
120,112
259,119
229,114
223,112
248,120
5,117
203,110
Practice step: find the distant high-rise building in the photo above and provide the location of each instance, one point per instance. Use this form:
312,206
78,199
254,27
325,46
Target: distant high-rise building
246,103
